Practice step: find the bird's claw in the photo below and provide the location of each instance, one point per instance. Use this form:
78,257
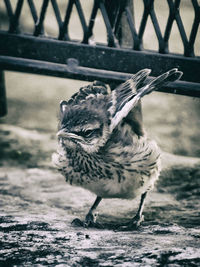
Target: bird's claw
90,222
137,220
77,222
91,218
132,225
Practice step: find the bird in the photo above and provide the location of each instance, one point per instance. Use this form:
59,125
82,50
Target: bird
103,148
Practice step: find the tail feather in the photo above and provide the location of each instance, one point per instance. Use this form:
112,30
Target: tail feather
127,95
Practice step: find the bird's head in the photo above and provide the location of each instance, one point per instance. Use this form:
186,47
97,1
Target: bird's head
84,126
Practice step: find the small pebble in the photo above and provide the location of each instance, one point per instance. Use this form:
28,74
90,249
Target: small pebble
79,233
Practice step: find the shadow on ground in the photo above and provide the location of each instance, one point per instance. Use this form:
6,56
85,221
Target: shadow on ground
37,208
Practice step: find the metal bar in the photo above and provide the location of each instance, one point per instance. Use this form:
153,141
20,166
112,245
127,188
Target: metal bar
124,33
110,33
116,23
174,15
34,13
14,22
33,10
169,24
58,16
91,22
162,46
39,24
82,18
9,8
72,70
113,8
195,26
3,104
57,13
137,44
64,29
101,57
182,31
144,19
181,27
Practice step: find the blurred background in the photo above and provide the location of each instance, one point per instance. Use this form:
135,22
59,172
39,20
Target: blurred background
33,100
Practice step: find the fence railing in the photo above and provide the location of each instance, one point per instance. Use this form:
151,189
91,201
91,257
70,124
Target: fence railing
114,59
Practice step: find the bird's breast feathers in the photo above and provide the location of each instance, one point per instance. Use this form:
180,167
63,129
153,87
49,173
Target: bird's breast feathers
121,173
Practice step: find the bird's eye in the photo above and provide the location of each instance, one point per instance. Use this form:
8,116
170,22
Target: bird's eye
88,133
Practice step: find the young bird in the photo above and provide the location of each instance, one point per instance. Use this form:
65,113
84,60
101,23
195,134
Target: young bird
102,148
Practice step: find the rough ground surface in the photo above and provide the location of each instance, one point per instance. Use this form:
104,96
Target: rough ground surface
37,207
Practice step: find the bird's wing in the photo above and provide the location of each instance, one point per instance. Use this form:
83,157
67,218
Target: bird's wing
134,117
126,96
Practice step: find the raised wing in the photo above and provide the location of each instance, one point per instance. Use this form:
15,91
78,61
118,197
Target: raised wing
125,97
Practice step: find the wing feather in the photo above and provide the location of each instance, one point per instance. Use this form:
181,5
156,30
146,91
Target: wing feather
126,96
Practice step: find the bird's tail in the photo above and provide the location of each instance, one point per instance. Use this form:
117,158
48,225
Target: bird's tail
126,96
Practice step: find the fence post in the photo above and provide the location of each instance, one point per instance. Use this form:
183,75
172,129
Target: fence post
3,104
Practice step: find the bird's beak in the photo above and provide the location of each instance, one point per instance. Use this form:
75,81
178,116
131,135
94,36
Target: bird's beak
63,134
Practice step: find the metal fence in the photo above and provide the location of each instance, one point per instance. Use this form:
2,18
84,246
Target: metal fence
111,62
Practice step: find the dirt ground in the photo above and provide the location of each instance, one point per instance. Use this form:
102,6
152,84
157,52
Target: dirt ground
37,206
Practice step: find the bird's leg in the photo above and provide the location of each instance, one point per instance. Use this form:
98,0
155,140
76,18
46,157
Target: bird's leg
90,219
135,222
138,218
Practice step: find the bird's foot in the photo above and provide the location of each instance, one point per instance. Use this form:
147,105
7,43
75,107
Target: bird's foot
90,222
131,225
77,222
137,220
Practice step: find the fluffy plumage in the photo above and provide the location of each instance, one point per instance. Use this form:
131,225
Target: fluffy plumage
100,150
